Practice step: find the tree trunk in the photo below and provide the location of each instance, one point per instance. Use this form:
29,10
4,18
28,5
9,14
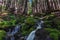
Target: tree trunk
25,7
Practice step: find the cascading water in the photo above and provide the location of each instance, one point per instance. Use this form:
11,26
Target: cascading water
32,34
11,34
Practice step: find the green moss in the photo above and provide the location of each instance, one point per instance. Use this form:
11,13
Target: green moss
54,33
2,34
54,36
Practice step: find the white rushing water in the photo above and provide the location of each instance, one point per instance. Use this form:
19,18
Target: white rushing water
32,34
14,31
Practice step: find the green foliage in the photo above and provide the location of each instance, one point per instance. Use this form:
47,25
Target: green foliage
30,20
57,21
54,36
26,30
4,24
2,34
48,24
30,12
7,23
53,33
49,17
28,23
49,20
21,19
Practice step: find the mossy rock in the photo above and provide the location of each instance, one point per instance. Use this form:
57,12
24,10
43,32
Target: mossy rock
52,30
2,34
54,33
54,36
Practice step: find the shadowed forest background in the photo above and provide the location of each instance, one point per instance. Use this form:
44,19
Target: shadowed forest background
27,13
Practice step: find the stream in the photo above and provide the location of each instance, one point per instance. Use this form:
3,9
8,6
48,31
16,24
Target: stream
11,33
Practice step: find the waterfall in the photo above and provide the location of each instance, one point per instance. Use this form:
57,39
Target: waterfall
32,34
13,32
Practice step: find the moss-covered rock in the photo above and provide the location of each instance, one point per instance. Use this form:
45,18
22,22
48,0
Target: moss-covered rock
54,33
2,34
